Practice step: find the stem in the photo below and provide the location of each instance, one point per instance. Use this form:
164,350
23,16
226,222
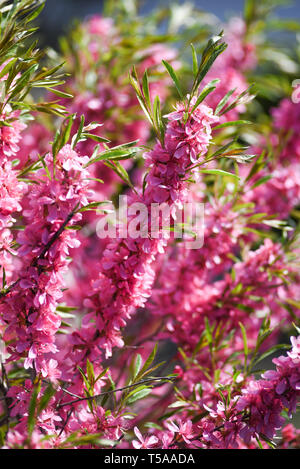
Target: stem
56,235
148,380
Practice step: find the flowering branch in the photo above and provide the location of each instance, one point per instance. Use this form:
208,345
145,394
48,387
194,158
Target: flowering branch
129,386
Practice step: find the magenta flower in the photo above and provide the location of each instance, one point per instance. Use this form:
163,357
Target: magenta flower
143,443
10,133
183,428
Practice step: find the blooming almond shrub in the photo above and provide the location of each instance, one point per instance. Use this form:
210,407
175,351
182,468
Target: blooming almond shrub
126,320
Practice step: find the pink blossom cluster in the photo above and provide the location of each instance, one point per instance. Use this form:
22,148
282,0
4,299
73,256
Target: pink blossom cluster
255,410
28,310
281,193
265,399
11,189
286,122
10,130
126,273
53,423
189,290
11,192
110,100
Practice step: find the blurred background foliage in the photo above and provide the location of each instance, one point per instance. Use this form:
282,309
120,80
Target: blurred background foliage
58,14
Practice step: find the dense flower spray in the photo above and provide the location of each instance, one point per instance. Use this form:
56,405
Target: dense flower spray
144,338
28,310
126,274
11,189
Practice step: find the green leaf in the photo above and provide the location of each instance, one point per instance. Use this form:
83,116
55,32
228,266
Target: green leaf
61,94
243,158
137,365
146,89
115,154
260,181
86,381
90,372
96,138
3,277
208,332
133,78
224,100
120,171
297,328
66,132
158,117
102,374
219,172
213,49
66,309
35,13
8,66
232,123
92,439
173,75
93,205
77,136
246,351
177,404
257,166
44,401
138,394
195,60
269,442
147,363
206,91
22,82
242,98
271,351
32,409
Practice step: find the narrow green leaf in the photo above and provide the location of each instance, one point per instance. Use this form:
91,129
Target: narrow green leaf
211,86
90,372
137,365
147,363
224,101
271,351
195,60
8,66
59,93
173,75
213,49
208,332
261,181
32,409
245,342
35,13
232,123
146,89
137,395
44,401
219,172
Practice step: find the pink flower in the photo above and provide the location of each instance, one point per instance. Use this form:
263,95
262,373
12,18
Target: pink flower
10,133
143,443
126,274
28,312
183,428
51,371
